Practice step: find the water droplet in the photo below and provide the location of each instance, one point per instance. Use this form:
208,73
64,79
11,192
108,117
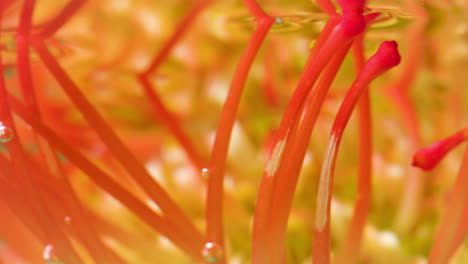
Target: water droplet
212,252
205,173
296,22
49,255
6,134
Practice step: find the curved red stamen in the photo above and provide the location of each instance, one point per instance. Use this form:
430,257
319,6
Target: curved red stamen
385,58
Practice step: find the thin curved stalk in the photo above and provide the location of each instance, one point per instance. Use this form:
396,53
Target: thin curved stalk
350,250
214,201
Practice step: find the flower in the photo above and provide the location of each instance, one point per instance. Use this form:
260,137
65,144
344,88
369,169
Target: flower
137,131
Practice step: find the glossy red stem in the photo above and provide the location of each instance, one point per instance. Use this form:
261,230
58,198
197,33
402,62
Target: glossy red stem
214,201
386,57
350,251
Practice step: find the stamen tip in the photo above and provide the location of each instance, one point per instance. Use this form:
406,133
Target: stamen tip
389,54
421,160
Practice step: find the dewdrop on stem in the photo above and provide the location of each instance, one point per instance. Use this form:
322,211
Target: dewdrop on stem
6,133
205,173
212,252
49,255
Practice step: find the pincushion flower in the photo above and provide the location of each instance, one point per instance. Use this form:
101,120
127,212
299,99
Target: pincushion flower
196,131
